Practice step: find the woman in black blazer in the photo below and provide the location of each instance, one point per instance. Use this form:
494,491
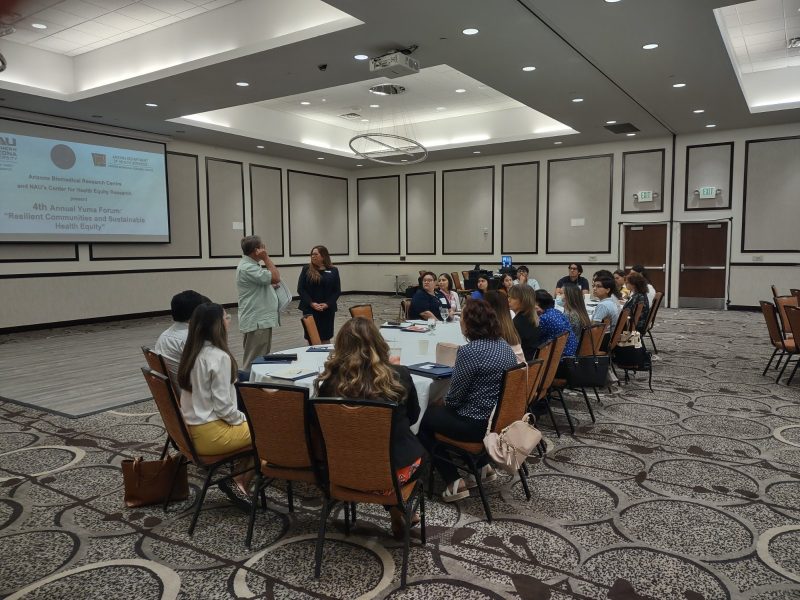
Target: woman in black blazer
319,289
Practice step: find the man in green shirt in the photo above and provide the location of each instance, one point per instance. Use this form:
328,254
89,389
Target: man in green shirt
258,303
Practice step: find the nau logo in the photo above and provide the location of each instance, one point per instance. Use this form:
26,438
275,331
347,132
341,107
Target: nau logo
8,141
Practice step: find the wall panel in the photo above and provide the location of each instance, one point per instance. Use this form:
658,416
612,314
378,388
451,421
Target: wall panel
318,213
520,208
643,171
709,165
421,213
225,199
468,211
378,215
266,206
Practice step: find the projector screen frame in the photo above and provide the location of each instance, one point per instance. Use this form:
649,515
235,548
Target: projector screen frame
89,240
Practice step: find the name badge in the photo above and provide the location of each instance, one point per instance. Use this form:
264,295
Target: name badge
328,271
443,301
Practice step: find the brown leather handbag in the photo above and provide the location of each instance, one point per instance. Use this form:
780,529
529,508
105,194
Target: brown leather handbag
148,481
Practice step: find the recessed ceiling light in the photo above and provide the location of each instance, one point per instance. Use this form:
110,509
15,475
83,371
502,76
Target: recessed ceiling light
470,31
477,152
710,125
610,122
699,111
320,158
151,104
441,108
528,69
365,120
361,57
260,147
557,143
649,46
678,85
38,25
630,134
242,83
460,91
612,1
403,160
305,103
577,99
324,99
374,105
359,165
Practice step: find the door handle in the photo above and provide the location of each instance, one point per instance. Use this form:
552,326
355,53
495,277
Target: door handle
701,268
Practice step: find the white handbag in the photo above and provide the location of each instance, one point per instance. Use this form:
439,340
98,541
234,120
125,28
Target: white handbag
509,448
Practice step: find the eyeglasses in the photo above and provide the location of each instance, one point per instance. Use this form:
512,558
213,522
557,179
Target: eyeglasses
428,280
573,268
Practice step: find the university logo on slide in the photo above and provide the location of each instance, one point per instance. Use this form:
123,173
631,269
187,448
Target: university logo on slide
99,159
62,156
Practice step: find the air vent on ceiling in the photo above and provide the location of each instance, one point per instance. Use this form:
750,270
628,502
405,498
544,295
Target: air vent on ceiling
794,43
351,116
622,128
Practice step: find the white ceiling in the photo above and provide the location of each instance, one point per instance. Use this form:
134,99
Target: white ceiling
77,26
759,32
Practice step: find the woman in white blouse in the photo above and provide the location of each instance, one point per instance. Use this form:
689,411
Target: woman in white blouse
206,375
445,283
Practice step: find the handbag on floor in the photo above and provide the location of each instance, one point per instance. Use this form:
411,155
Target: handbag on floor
509,448
148,481
586,371
632,357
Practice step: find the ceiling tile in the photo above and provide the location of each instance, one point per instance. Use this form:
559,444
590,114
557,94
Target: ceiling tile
773,37
764,27
60,17
77,37
214,4
56,45
81,9
142,12
172,7
24,36
111,5
779,46
119,21
97,29
757,16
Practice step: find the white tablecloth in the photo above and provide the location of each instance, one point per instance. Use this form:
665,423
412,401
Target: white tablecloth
414,347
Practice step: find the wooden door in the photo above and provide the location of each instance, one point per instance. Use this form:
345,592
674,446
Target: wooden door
646,245
703,265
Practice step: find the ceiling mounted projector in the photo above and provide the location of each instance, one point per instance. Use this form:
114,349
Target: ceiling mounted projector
396,64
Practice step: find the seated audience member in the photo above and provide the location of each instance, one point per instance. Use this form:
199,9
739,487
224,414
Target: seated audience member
445,284
483,287
523,278
508,332
206,375
522,301
608,306
601,273
553,323
651,291
638,286
172,340
575,276
506,283
475,389
622,284
359,367
575,309
427,302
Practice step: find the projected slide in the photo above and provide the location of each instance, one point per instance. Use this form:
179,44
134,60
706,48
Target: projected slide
61,185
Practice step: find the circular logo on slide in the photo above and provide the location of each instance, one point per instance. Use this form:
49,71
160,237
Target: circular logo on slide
62,156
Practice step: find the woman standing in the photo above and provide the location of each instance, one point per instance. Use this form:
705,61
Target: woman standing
359,367
319,289
522,301
206,375
575,309
445,283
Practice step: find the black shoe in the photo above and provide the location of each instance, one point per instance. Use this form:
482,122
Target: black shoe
235,495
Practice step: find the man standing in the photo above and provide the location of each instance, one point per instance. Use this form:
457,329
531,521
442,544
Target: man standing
258,302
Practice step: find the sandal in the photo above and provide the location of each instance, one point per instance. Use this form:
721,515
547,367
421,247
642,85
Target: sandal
455,491
488,474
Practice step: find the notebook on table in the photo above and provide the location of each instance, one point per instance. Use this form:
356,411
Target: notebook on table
320,348
432,370
292,373
268,359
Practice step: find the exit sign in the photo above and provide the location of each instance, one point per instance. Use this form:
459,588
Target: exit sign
645,196
708,192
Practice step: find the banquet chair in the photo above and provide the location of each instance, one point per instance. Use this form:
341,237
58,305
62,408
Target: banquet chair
796,293
793,317
458,285
156,362
356,437
651,318
787,347
627,322
276,416
405,306
774,289
511,406
310,327
589,346
550,353
781,302
361,310
178,431
637,314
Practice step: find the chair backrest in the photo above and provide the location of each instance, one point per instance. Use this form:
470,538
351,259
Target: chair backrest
170,412
559,343
356,436
774,289
637,313
465,275
651,316
543,353
362,310
781,302
405,306
459,287
310,327
513,401
796,293
771,317
446,353
622,324
591,338
159,364
276,415
793,318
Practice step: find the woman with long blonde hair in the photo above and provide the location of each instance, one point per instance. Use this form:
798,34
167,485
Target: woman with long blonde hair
359,367
508,332
575,309
319,288
522,301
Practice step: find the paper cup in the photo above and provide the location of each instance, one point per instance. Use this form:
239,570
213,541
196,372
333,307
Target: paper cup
394,351
423,346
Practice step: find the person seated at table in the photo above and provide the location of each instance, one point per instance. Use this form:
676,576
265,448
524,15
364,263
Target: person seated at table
506,283
446,287
651,291
638,286
601,273
523,278
428,302
206,375
172,340
499,302
475,389
575,309
605,290
553,323
483,287
575,275
522,301
359,367
622,284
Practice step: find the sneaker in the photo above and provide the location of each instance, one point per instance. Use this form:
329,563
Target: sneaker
455,491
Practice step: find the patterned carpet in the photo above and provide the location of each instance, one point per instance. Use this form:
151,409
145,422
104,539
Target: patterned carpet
689,492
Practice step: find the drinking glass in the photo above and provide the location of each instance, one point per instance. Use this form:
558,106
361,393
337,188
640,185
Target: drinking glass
431,326
445,313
